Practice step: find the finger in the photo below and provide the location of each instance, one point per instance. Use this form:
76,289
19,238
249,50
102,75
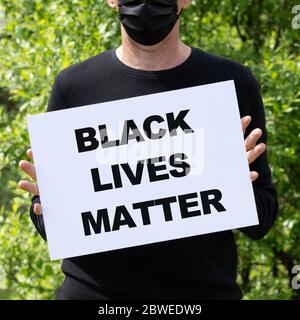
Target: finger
253,175
255,152
29,154
28,168
37,209
245,122
252,139
29,187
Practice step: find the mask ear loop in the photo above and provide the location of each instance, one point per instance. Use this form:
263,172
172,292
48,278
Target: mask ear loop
179,14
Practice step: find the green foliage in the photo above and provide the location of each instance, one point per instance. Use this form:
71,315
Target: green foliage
41,37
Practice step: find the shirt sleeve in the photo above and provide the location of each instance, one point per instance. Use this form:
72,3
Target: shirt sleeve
264,189
37,220
56,102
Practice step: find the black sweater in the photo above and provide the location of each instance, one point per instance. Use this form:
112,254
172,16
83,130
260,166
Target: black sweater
198,267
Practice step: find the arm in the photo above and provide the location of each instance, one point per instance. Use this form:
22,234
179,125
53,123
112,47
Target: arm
264,190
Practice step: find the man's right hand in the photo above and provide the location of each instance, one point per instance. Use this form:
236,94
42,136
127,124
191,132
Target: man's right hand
28,186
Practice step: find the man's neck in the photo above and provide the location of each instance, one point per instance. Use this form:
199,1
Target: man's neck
168,54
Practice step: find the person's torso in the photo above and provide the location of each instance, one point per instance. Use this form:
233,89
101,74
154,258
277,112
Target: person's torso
195,267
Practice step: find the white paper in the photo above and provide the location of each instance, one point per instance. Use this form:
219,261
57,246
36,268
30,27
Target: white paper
216,154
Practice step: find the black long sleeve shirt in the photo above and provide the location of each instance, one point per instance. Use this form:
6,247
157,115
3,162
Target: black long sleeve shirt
198,267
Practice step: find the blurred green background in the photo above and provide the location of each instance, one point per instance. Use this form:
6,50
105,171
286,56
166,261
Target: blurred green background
41,37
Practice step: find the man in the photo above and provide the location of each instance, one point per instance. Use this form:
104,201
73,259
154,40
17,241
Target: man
152,59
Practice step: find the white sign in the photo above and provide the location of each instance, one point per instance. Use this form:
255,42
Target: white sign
142,170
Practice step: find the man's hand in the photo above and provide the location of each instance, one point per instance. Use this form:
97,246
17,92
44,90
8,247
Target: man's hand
31,187
253,149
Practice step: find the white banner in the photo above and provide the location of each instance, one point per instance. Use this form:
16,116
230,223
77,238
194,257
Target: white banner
142,170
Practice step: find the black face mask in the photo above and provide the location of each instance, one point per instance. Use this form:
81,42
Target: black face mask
148,22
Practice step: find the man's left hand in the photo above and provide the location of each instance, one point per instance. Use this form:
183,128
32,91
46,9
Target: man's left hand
253,149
